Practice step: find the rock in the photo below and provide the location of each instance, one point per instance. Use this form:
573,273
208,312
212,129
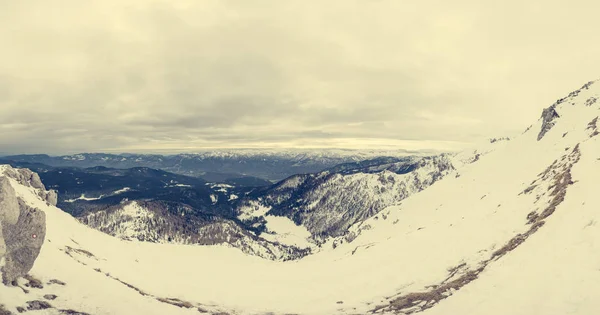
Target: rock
9,206
549,116
55,281
52,197
33,282
72,312
22,228
23,242
28,178
34,179
50,297
38,305
2,244
4,311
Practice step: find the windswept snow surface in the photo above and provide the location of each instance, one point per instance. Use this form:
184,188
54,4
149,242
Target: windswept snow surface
459,223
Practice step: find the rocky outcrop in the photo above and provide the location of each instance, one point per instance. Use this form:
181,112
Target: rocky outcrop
494,140
22,228
52,197
9,205
31,179
549,116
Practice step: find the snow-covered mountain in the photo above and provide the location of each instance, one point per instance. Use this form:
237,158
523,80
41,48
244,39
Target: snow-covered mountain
329,202
157,206
514,231
160,222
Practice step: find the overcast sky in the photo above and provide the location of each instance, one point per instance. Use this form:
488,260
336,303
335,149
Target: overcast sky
166,76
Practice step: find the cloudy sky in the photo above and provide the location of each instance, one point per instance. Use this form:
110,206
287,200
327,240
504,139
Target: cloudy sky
167,76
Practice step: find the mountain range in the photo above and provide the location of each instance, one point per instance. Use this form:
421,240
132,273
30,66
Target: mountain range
509,227
157,206
220,165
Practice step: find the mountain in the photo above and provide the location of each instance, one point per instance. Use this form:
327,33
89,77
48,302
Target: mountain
179,209
101,160
175,223
329,202
220,165
512,230
157,206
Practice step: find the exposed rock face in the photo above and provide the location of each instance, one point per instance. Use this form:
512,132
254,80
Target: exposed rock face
28,178
22,228
9,205
38,305
52,197
23,242
2,244
9,211
548,116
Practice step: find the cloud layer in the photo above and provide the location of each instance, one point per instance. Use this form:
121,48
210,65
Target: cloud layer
137,75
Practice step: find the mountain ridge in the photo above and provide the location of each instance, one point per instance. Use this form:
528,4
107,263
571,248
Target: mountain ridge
273,165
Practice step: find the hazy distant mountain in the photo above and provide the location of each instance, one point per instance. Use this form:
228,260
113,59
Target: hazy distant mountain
272,165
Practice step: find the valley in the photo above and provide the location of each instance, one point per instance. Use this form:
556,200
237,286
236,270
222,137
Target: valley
482,231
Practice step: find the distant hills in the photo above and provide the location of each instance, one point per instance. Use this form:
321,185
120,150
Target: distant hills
246,164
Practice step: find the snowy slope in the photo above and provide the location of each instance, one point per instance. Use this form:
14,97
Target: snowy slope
515,233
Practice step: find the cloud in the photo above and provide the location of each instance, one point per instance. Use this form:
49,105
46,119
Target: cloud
138,75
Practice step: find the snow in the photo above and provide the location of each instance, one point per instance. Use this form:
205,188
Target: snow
253,209
174,184
300,154
83,197
310,286
219,185
127,222
292,182
285,231
183,185
177,185
77,157
456,220
120,191
135,210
